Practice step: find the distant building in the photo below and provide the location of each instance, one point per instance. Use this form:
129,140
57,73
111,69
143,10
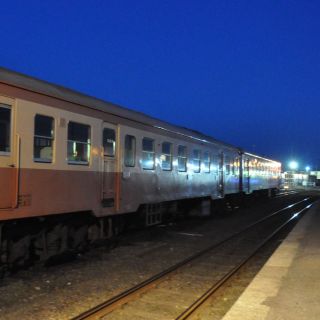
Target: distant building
292,180
314,176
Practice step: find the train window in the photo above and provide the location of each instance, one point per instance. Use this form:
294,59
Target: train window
227,165
214,164
235,167
166,156
78,143
246,167
261,168
43,138
148,154
129,151
206,162
182,158
221,162
109,142
196,161
5,128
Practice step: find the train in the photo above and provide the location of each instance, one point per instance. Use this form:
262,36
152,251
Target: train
73,168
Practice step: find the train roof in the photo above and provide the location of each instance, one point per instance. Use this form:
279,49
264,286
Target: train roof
259,157
52,90
56,91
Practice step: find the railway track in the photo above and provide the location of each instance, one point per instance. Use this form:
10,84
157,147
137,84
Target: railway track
178,292
286,193
192,311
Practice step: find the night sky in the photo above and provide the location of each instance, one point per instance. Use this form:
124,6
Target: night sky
245,72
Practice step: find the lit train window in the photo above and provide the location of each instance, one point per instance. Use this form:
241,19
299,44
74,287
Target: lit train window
220,162
227,166
109,142
235,167
148,154
196,161
182,158
5,128
43,138
129,151
215,164
206,162
246,167
166,156
78,143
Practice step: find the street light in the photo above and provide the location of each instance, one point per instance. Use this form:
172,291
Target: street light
308,168
293,165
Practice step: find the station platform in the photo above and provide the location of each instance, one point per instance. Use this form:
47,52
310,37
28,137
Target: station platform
288,285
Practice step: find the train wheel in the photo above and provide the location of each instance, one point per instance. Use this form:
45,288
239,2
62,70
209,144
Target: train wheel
78,237
57,240
19,252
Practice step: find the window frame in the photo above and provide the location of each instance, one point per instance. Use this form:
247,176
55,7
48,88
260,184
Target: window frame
214,164
134,151
170,155
114,145
235,167
52,138
88,144
148,152
227,166
196,159
185,158
9,107
206,169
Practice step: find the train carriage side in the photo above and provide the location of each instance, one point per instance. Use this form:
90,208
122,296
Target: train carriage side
260,174
57,161
231,171
62,155
62,159
166,167
56,157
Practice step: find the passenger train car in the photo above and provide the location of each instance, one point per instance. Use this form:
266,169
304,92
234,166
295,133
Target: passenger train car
71,166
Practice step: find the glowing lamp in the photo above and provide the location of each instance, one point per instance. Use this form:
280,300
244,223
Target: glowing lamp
293,165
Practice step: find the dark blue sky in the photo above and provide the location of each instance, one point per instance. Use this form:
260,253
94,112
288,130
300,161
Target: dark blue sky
246,72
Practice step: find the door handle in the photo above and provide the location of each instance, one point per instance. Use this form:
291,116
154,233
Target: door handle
11,166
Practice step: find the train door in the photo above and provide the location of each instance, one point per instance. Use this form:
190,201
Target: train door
8,170
111,182
221,175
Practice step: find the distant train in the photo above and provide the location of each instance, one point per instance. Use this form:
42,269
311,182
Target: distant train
72,166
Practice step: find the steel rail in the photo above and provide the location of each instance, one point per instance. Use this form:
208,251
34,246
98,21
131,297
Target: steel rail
129,295
286,193
201,300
